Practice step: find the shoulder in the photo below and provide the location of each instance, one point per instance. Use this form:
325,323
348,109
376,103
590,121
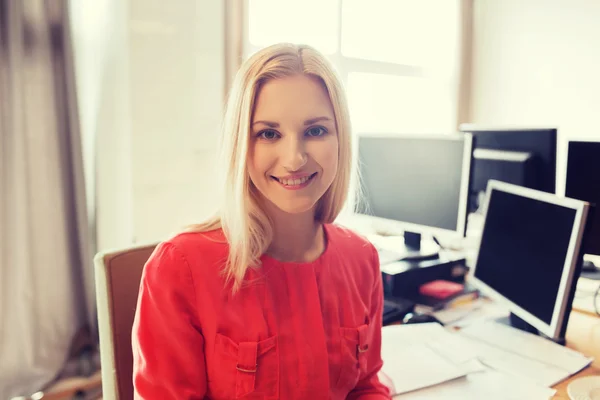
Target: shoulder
189,253
357,260
205,244
355,253
350,242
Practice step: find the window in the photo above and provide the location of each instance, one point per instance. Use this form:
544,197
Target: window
313,22
398,58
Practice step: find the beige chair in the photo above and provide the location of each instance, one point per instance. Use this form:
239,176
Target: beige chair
118,275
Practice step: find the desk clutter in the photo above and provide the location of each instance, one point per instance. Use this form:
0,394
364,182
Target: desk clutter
447,301
477,230
486,360
525,243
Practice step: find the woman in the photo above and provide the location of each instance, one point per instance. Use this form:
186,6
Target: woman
269,300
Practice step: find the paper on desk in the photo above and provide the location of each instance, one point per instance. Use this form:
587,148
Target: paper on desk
539,360
517,366
488,384
409,361
529,346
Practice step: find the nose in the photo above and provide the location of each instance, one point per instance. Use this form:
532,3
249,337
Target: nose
294,156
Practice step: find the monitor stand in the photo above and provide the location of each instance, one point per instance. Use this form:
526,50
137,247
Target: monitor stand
416,249
516,322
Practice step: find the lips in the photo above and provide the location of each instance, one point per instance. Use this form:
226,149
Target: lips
292,182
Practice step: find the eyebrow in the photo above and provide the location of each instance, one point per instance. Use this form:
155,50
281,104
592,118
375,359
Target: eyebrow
307,122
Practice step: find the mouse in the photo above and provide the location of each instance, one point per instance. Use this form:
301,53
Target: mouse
413,318
589,266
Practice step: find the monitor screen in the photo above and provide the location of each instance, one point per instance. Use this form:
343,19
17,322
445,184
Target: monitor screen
528,251
536,171
419,180
583,183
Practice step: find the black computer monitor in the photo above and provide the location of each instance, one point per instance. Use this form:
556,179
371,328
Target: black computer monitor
418,181
524,157
528,255
583,183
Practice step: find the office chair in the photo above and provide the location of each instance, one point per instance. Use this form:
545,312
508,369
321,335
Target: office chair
118,275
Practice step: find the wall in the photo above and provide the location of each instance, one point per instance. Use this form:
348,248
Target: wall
536,62
150,85
177,75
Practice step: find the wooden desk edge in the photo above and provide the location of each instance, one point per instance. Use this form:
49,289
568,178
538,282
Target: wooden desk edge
583,334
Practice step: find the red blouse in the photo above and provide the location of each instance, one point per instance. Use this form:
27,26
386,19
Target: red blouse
294,330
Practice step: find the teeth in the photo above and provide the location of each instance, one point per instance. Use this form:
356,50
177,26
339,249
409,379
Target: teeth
294,182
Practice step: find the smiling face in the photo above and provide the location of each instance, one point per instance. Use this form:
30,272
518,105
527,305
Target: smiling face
293,148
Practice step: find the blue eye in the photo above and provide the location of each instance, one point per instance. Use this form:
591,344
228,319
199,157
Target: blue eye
268,134
316,131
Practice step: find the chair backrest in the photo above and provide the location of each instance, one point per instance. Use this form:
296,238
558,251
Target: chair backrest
118,275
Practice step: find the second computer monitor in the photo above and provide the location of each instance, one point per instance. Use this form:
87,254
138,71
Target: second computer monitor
521,156
420,181
583,183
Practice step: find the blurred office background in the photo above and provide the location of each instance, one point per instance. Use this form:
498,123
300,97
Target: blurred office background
110,113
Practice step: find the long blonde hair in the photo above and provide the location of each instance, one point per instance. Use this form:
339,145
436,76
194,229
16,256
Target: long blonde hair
247,228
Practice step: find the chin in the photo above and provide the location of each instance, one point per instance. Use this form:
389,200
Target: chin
295,207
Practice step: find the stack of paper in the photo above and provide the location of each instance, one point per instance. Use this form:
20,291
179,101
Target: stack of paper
410,363
487,384
523,354
426,361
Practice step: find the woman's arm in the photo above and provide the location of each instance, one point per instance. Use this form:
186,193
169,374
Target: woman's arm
168,347
369,387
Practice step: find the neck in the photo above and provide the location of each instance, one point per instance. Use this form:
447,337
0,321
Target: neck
296,237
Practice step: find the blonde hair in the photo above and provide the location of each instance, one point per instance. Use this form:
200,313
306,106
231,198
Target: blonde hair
246,226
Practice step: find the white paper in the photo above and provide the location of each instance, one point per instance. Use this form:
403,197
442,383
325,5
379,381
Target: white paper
426,361
410,362
488,384
517,366
528,346
453,347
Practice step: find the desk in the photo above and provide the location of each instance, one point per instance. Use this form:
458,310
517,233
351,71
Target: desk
583,334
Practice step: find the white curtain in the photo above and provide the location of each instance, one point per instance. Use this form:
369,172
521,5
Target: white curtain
45,260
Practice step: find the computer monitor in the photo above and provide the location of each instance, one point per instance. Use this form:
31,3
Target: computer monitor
524,157
529,255
418,181
583,183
